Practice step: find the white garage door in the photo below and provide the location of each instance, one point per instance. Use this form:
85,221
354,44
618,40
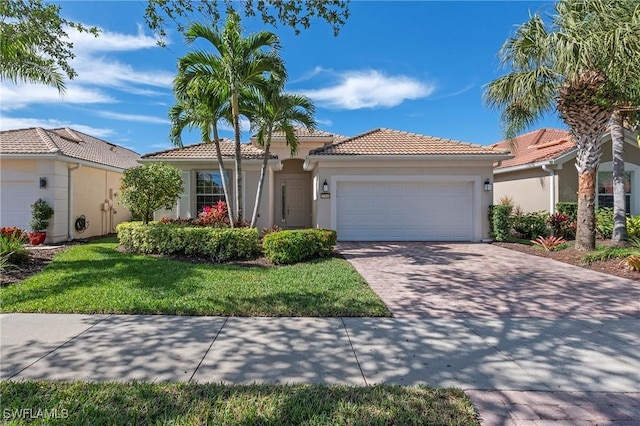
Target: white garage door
404,211
15,203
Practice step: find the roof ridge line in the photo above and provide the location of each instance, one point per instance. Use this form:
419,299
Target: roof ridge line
47,139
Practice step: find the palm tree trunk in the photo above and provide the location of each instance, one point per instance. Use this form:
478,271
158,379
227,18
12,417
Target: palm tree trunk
619,235
263,172
238,160
225,188
586,227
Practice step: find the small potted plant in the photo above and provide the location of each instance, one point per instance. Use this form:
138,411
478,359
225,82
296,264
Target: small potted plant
41,212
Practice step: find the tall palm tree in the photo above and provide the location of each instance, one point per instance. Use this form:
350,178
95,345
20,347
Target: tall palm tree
571,65
239,63
203,113
276,111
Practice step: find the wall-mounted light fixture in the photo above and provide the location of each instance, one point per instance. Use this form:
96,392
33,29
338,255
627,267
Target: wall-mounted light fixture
43,182
487,185
325,186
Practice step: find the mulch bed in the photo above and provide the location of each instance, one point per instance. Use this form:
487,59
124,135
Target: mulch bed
573,257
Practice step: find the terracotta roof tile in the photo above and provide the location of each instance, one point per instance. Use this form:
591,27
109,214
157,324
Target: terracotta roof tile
394,142
71,143
207,151
537,146
303,132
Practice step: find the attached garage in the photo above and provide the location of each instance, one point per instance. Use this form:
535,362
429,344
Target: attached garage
404,210
19,191
388,185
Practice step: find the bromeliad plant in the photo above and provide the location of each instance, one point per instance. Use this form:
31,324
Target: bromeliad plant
550,243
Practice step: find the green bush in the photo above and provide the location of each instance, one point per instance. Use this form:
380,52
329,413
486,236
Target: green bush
633,227
604,222
570,209
12,249
41,212
530,225
292,246
216,244
500,218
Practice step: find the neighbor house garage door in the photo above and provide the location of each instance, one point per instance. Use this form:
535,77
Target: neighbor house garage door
404,211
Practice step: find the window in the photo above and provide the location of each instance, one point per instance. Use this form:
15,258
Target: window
605,190
209,189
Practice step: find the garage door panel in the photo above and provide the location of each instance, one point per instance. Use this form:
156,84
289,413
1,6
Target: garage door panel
387,211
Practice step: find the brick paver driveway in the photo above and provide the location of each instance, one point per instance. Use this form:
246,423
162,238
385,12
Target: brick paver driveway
576,329
443,280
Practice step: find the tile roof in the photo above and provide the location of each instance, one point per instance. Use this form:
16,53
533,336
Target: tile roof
537,146
394,142
207,151
303,132
69,142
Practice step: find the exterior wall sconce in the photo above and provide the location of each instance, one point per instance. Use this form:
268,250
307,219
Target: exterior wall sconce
325,186
43,182
487,185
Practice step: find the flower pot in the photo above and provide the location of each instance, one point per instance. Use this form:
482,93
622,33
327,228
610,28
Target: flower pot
37,237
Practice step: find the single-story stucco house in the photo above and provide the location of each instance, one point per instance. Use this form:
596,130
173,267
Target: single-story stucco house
542,171
382,185
78,175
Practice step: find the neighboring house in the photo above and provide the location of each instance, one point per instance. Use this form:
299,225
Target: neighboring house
380,185
76,174
543,173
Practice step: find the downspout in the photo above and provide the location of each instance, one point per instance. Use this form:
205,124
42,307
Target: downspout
70,198
552,188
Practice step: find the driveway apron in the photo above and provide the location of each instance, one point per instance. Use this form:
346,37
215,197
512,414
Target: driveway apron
566,339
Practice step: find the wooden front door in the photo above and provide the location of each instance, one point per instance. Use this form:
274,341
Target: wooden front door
293,207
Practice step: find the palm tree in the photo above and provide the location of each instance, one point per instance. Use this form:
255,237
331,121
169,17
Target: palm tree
239,63
276,111
571,65
203,113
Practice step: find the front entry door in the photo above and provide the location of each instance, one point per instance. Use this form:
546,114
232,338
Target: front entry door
294,205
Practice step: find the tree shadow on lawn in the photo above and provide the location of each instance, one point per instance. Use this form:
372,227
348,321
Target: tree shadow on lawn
107,281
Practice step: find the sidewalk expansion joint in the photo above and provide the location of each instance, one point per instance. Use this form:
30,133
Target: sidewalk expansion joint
354,351
208,349
60,346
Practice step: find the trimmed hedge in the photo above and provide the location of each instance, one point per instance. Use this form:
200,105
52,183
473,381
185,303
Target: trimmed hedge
293,246
217,244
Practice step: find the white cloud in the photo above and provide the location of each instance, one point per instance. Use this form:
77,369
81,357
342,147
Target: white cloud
132,117
17,96
111,73
370,89
109,41
8,123
309,75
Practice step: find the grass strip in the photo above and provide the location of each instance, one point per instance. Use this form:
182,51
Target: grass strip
56,403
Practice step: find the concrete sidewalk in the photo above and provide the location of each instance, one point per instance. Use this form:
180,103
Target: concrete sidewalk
587,365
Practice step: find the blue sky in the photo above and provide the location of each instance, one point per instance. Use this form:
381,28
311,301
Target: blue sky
415,66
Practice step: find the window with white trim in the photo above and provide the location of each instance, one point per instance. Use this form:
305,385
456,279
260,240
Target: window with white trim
605,190
209,188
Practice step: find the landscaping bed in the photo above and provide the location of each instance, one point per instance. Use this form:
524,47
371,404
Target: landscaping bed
573,257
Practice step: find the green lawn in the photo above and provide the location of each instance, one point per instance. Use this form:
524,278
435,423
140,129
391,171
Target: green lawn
199,404
96,278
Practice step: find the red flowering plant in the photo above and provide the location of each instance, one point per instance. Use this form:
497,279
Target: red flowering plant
562,225
14,233
215,215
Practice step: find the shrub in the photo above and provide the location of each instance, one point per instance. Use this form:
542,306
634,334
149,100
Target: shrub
12,249
570,209
147,188
216,244
14,232
216,215
562,225
506,201
551,243
631,262
604,222
633,227
41,212
292,246
500,218
530,225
